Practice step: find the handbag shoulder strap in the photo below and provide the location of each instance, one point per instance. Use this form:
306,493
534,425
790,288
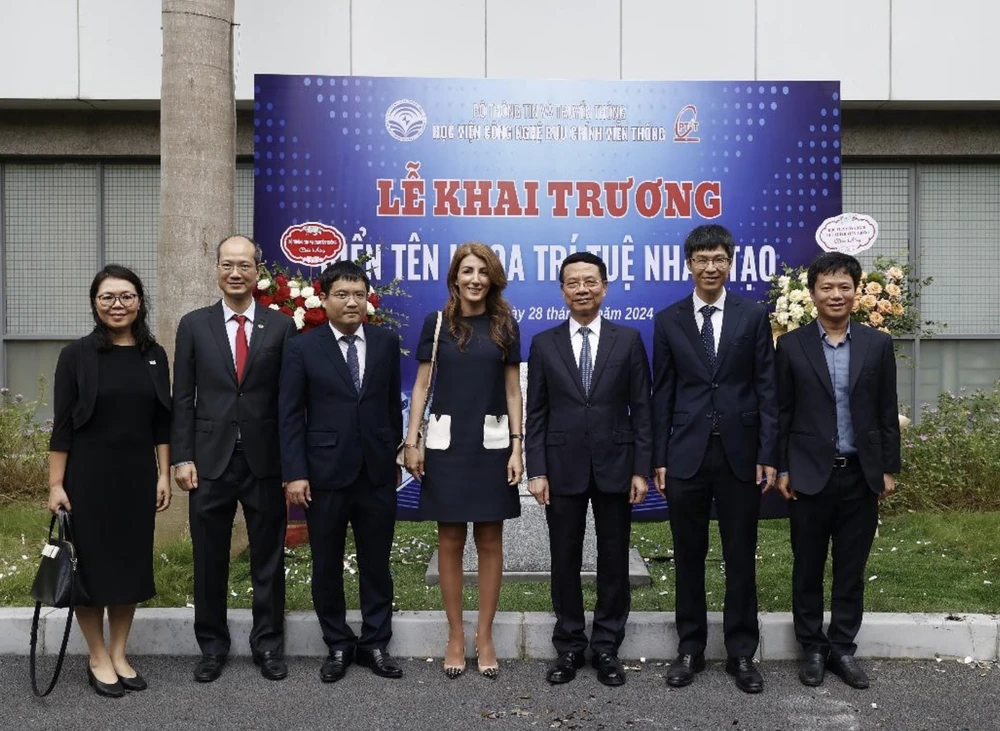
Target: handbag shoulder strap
62,649
434,355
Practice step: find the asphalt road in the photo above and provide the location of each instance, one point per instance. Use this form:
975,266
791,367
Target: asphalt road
936,696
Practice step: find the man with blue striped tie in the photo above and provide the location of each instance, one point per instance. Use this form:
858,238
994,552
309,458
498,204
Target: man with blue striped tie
588,439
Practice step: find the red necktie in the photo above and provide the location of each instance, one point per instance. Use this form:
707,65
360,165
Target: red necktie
241,346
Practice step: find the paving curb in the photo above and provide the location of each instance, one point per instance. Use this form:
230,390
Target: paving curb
527,635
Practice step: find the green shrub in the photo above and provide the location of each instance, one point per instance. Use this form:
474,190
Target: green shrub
24,448
951,460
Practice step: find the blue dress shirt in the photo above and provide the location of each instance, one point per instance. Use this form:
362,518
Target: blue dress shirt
838,362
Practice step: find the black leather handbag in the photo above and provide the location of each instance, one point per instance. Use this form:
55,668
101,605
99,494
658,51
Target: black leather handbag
58,585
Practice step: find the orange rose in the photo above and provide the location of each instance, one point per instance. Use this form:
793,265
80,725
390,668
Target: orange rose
884,306
893,291
897,309
873,288
875,319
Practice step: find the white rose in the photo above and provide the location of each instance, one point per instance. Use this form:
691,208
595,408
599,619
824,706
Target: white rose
263,284
784,281
300,318
370,309
295,292
294,284
804,278
792,325
307,292
273,307
795,296
782,304
782,318
311,299
795,312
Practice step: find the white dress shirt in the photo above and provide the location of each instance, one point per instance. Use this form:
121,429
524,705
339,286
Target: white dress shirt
576,339
720,305
359,344
232,326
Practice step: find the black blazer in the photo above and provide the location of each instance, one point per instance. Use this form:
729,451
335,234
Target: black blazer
741,389
327,427
210,408
808,417
74,388
567,433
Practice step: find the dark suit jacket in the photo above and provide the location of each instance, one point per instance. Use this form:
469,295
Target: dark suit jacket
808,417
210,408
741,389
74,388
568,434
327,427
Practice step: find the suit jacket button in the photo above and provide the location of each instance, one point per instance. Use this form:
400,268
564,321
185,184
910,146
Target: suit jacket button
715,385
239,393
234,422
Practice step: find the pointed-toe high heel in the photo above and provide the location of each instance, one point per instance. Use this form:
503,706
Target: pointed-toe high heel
454,671
487,671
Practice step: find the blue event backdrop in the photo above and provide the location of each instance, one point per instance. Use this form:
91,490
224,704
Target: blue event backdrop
762,157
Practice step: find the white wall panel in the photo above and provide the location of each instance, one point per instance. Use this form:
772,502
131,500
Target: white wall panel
38,49
553,39
121,43
419,37
292,37
664,40
945,52
847,40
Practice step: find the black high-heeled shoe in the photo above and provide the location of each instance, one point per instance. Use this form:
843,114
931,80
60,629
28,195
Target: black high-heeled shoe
108,690
135,683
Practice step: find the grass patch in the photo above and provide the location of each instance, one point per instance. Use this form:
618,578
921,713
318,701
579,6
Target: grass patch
921,562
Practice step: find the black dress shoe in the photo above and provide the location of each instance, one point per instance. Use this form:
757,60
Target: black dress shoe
563,670
381,663
108,690
272,665
812,670
609,669
683,668
746,674
135,683
335,666
847,669
209,668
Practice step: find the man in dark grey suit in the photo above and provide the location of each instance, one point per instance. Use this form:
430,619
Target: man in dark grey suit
837,451
715,436
224,443
588,440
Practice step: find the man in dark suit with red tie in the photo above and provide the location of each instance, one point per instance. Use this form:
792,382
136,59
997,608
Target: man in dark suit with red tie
588,439
341,420
224,443
837,451
715,427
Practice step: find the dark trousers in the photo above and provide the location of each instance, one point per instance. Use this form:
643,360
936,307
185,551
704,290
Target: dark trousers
567,519
212,507
737,506
844,512
371,511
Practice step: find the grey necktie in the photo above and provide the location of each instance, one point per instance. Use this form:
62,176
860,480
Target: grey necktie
586,360
708,333
352,360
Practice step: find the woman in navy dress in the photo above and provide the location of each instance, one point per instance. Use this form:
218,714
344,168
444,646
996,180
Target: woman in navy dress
473,459
109,466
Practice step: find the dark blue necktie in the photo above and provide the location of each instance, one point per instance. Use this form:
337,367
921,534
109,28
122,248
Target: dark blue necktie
708,333
352,360
586,360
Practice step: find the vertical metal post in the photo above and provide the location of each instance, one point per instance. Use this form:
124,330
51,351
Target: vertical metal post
3,284
916,269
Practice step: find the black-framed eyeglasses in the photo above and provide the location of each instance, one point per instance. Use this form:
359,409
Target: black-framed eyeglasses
702,262
107,300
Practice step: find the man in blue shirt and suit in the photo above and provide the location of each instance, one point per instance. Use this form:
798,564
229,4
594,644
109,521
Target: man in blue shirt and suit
715,436
838,448
341,418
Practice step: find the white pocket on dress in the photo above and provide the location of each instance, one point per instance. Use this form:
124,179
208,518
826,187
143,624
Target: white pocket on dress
496,433
438,431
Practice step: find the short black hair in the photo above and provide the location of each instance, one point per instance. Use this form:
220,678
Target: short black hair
258,253
346,270
833,262
707,238
584,257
